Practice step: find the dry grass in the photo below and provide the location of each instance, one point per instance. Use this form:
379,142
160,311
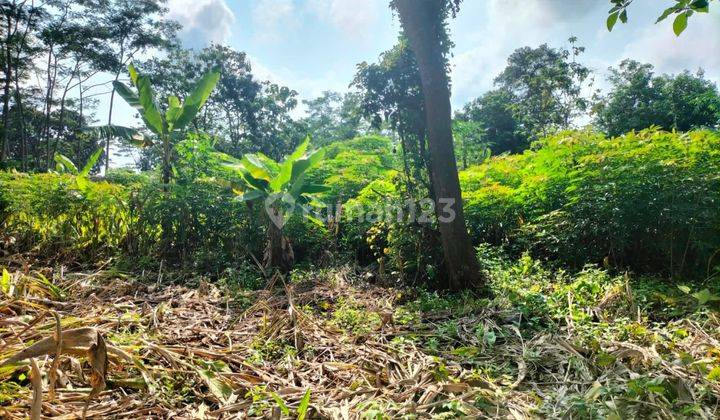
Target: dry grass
176,352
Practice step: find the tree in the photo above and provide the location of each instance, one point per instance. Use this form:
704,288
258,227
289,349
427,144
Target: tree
284,190
20,21
470,145
277,133
493,111
230,113
390,93
424,24
545,84
178,115
133,27
638,99
334,117
682,10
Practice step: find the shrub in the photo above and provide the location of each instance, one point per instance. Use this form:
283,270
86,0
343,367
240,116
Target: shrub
47,214
351,165
645,201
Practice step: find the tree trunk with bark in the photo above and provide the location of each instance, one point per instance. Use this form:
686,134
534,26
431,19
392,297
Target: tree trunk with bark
278,251
422,22
6,91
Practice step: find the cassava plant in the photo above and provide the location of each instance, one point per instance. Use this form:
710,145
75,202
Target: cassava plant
284,190
168,127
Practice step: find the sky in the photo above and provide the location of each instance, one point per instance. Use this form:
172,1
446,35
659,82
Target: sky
315,45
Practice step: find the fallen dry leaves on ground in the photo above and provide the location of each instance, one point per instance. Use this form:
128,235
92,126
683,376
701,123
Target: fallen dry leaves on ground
132,350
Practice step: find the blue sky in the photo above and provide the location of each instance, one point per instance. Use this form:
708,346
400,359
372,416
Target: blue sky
315,45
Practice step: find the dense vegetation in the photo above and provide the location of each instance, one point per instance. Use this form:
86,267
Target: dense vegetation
540,253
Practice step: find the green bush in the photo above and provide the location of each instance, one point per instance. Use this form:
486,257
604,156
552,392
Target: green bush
351,165
645,201
47,214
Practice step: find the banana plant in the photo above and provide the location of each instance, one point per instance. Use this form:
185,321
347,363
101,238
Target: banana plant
284,190
178,115
127,134
82,177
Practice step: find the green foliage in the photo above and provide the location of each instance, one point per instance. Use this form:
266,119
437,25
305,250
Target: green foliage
469,141
545,85
178,115
639,99
48,213
354,318
284,184
349,166
682,10
334,117
195,222
645,200
493,111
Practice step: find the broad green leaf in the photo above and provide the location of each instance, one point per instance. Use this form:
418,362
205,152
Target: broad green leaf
315,221
285,173
173,112
684,289
5,282
133,74
304,405
314,188
134,101
666,13
91,162
82,183
127,94
612,20
128,134
63,164
704,296
300,150
251,195
197,99
297,186
283,176
259,184
302,165
255,167
680,23
149,111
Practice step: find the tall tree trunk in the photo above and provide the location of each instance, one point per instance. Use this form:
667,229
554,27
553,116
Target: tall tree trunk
422,22
6,91
110,114
51,80
21,123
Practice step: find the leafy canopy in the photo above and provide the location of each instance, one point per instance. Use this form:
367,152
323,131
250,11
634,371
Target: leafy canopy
682,10
178,115
284,181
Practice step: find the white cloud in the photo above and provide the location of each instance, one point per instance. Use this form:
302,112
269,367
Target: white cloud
307,87
274,18
354,18
483,50
697,47
204,21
